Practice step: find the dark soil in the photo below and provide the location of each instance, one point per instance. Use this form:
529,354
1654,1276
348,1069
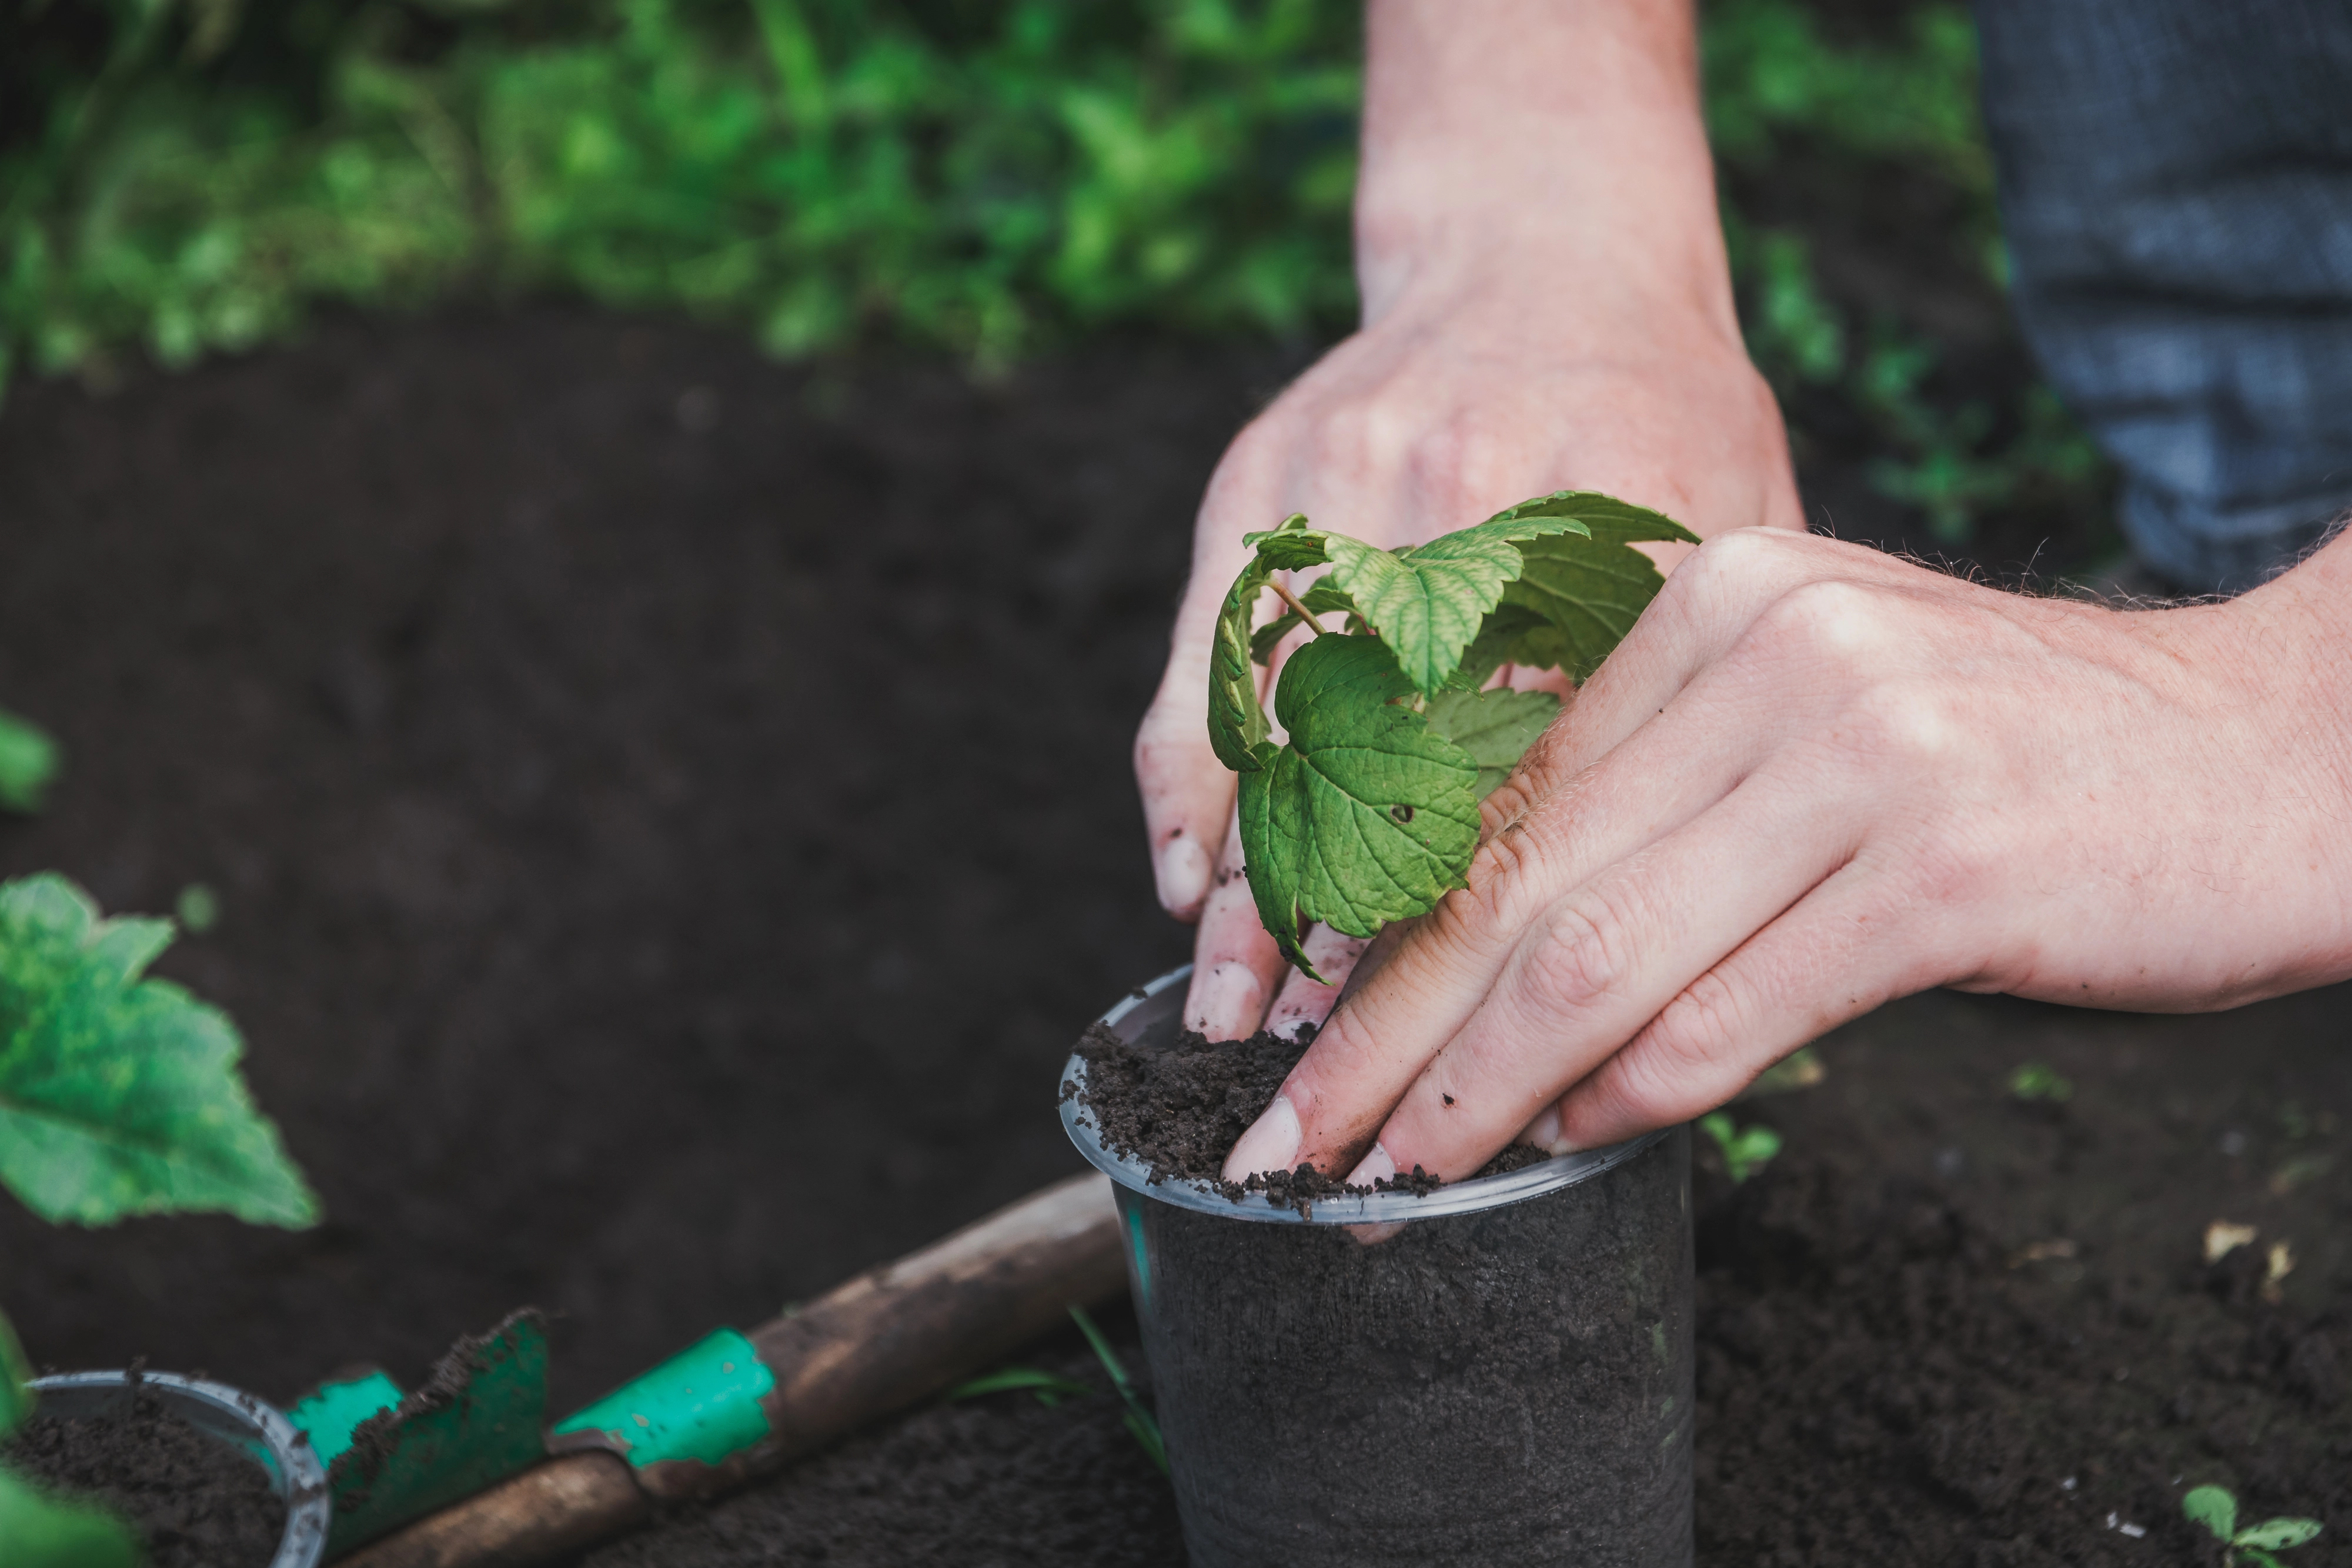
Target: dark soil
1178,1110
622,804
194,1500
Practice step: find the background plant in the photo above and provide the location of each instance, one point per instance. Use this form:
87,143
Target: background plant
181,176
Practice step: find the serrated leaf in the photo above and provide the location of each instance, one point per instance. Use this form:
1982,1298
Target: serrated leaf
28,763
1290,546
1237,724
17,1399
1587,591
39,1531
1428,601
1366,816
2276,1534
119,1095
1494,727
2213,1508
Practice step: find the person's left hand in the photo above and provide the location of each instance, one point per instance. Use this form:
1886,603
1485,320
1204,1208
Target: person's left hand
1815,778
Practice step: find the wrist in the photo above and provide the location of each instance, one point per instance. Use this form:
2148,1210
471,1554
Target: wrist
1563,143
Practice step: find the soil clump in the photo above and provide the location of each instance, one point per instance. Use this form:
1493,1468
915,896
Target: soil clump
1179,1109
192,1500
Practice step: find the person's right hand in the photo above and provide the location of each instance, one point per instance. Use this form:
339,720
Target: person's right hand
1528,327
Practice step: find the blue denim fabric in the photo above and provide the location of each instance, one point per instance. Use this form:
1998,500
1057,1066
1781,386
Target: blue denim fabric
2177,192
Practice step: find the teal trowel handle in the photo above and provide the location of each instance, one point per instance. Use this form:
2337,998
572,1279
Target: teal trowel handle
707,1417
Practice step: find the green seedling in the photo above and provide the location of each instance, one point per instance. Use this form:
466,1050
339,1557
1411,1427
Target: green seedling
1140,1422
119,1096
1746,1150
1049,1389
1367,812
2217,1509
2040,1081
28,763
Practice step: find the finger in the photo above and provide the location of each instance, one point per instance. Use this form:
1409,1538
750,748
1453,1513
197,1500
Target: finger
1188,794
1705,609
1441,970
1609,956
1235,963
1304,1001
1832,957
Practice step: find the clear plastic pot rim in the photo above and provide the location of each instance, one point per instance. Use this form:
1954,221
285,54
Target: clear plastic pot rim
218,1407
1158,1000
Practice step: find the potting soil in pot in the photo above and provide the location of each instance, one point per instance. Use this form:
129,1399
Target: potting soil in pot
195,1502
1178,1108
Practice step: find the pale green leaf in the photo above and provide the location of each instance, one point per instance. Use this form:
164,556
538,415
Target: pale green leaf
1494,727
28,762
2277,1534
1428,601
2213,1508
1237,722
39,1531
1367,816
119,1095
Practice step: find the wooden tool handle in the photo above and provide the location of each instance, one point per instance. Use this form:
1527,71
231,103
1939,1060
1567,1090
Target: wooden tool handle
883,1340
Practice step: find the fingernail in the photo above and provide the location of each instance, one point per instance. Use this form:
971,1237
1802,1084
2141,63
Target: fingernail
1270,1145
1182,872
1374,1167
1228,1003
1544,1133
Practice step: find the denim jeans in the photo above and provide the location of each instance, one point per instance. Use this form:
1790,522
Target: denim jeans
2176,187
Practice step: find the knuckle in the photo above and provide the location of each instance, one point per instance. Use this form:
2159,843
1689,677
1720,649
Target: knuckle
1576,961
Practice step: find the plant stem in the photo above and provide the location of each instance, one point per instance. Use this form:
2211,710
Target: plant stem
1296,607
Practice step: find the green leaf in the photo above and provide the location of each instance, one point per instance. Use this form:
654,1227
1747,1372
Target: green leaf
1587,592
1236,719
1745,1151
2276,1534
1494,727
1366,816
1428,601
2213,1508
121,1096
17,1399
1048,1387
1140,1422
1320,601
28,762
41,1533
2040,1081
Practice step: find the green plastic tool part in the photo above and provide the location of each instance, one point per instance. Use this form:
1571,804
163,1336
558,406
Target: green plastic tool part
331,1412
476,1421
702,1404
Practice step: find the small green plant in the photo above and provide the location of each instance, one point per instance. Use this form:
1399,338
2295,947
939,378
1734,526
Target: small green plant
1048,1389
28,763
2040,1081
1140,1422
119,1096
1745,1150
2217,1509
1367,812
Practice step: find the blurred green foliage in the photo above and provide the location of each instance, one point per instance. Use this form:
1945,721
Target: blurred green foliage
181,176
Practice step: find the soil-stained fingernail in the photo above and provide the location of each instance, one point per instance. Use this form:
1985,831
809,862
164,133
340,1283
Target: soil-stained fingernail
1228,1002
1270,1145
1182,872
1374,1167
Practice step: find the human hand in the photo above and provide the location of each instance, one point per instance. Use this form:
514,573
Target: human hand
1814,778
1547,307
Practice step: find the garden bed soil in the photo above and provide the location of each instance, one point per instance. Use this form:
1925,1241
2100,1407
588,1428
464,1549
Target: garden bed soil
623,803
192,1500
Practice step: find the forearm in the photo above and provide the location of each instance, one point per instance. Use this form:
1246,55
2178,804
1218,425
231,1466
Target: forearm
1567,133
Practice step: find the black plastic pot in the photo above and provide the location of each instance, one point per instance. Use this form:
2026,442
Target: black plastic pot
254,1429
1496,1373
